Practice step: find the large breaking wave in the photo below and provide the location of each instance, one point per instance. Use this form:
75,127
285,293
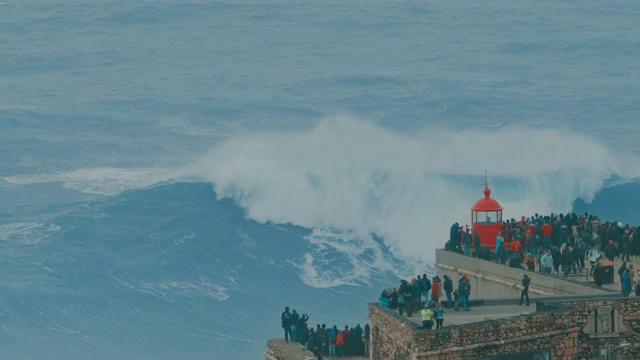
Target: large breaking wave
352,175
408,188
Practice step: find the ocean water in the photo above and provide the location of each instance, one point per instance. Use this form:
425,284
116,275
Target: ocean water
173,174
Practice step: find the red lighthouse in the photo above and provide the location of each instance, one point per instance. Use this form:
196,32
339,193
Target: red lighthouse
486,218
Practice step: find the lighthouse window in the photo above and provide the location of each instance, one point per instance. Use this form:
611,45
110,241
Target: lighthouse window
487,217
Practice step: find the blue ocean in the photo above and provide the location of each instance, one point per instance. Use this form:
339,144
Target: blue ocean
174,173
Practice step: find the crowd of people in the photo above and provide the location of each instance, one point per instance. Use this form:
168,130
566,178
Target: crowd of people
424,295
555,244
324,340
558,244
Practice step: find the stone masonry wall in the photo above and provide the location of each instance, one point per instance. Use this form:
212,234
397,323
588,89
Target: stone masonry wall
392,334
568,332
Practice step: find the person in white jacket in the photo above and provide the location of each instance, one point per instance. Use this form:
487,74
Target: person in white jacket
546,262
593,256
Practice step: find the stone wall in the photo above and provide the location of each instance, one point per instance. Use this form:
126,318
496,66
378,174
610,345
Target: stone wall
577,329
392,335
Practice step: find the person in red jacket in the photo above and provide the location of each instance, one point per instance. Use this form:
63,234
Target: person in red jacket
347,341
515,245
547,231
339,344
435,289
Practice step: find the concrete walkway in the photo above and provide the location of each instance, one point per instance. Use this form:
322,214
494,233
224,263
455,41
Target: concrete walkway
480,313
584,276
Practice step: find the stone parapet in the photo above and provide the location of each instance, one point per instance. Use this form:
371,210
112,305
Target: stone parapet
574,329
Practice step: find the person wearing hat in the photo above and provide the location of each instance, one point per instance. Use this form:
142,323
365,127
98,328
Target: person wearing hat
525,288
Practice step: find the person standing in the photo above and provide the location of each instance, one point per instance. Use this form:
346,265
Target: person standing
547,232
626,283
294,325
339,343
435,289
448,289
286,323
476,243
467,239
498,247
462,291
525,288
438,312
598,273
356,341
621,271
346,338
367,339
593,256
332,334
401,299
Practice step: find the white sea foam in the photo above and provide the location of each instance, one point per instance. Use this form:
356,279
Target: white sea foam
104,180
171,288
351,174
344,258
21,233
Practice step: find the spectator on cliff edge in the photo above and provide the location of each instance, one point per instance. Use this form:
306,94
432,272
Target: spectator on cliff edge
346,337
356,341
367,339
438,313
286,323
435,289
448,290
525,288
466,240
598,273
626,283
454,238
610,251
463,291
332,334
593,256
294,326
476,243
546,262
339,343
401,298
498,247
621,272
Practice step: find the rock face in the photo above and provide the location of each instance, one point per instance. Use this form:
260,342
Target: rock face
278,349
574,329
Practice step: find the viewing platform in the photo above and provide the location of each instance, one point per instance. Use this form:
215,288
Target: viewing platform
569,318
